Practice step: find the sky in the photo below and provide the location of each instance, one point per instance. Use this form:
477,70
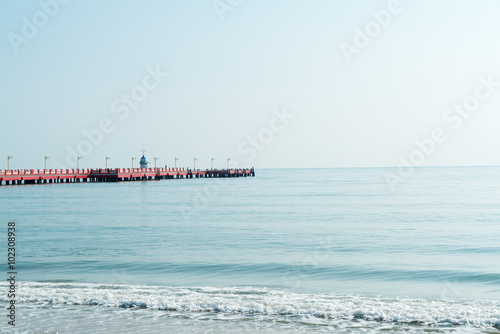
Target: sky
267,84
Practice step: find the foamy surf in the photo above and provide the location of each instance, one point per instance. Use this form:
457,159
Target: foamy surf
267,303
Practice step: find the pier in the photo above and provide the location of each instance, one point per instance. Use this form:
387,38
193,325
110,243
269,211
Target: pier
44,176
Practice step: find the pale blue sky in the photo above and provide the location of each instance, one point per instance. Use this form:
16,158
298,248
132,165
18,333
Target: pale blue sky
226,78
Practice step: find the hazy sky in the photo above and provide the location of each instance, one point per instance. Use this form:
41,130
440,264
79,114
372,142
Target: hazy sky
354,83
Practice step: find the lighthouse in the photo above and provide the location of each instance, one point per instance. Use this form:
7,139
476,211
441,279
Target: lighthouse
144,162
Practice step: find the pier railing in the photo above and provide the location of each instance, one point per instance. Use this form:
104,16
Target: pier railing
36,176
85,171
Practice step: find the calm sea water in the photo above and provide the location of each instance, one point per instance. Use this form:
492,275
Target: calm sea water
295,251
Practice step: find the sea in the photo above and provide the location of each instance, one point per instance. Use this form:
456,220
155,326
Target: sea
287,251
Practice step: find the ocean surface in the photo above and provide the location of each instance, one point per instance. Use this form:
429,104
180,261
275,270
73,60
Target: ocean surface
289,251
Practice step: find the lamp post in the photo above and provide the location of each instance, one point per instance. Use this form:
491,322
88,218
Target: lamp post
212,163
107,158
133,161
228,163
155,160
9,157
175,163
46,158
195,164
78,162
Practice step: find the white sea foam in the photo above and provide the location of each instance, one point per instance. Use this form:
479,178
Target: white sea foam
266,302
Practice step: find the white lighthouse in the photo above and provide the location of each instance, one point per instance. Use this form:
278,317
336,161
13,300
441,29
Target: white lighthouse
143,162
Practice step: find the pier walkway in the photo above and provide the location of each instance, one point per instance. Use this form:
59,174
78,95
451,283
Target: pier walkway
41,176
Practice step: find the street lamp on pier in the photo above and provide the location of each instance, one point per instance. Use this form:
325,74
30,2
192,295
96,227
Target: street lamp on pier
78,162
228,163
46,158
195,164
107,158
212,163
175,163
155,160
9,157
133,161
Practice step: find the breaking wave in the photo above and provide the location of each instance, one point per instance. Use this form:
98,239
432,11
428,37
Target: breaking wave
266,302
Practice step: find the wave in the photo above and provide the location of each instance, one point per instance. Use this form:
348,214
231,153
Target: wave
266,302
280,270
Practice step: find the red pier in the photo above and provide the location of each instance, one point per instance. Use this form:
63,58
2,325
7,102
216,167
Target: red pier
41,176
